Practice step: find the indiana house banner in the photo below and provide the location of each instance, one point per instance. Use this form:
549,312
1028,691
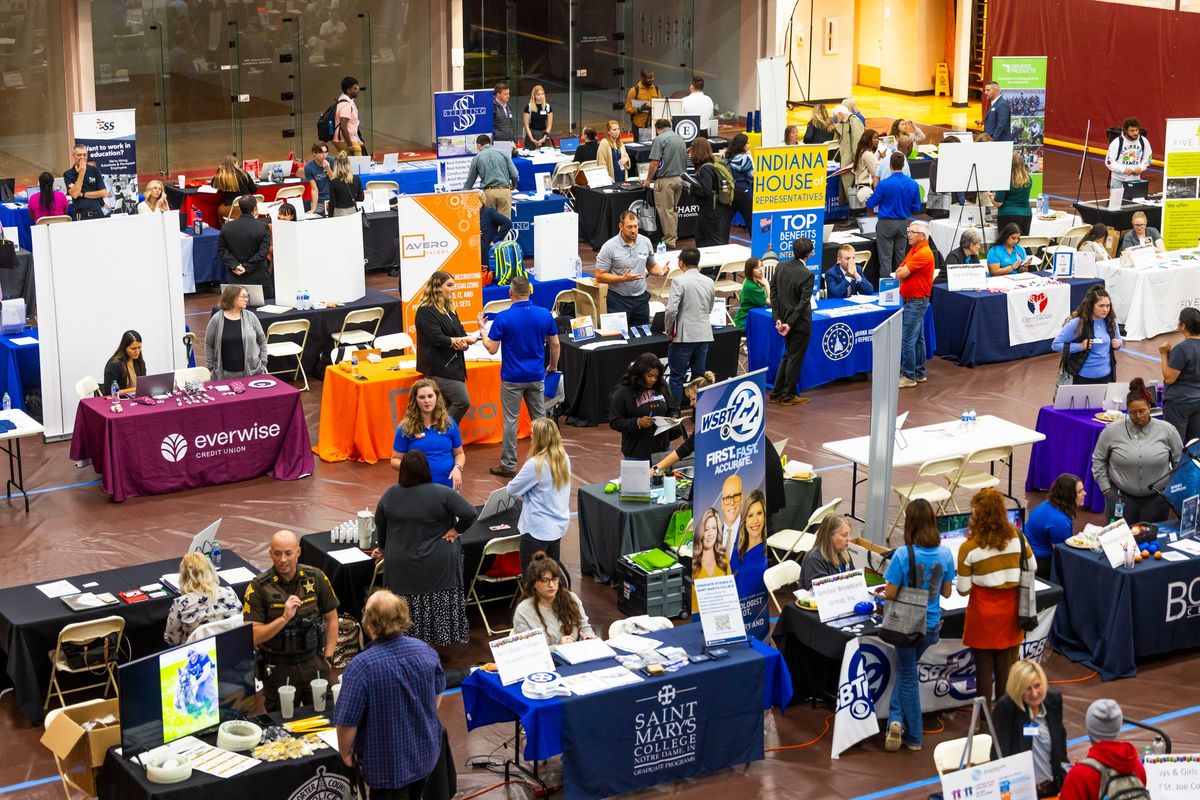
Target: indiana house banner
789,200
440,232
1181,194
112,144
1022,79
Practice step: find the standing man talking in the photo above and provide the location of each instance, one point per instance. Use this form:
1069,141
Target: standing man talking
687,322
998,122
791,307
668,162
916,284
897,197
527,332
496,172
85,185
623,264
503,129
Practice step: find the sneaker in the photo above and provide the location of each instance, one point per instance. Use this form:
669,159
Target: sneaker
773,399
921,378
502,472
794,401
907,382
892,742
916,748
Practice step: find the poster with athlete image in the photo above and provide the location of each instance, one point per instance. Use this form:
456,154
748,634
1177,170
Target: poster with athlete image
729,504
1022,80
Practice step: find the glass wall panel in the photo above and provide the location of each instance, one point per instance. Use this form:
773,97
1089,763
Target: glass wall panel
31,93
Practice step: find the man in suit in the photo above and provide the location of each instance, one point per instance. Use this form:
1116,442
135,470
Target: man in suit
244,244
791,291
998,122
843,278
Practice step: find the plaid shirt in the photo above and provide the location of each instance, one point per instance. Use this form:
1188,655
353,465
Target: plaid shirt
389,692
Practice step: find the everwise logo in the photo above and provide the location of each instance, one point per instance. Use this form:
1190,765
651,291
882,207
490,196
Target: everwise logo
174,447
222,443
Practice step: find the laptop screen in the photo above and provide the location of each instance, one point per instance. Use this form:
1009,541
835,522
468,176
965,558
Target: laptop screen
568,145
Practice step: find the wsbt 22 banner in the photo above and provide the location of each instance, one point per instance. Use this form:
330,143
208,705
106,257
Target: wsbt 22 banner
458,119
789,199
111,141
1181,198
729,502
1022,81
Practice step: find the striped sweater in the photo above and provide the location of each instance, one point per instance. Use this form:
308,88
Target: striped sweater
994,569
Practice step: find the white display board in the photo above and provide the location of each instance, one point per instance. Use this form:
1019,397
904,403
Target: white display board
772,98
992,163
324,256
95,280
555,245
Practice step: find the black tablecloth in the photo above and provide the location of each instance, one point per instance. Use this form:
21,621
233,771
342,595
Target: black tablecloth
600,212
609,528
639,152
379,239
589,376
813,650
350,581
30,622
1121,219
18,282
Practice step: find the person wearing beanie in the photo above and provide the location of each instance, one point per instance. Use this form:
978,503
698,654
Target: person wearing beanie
1103,723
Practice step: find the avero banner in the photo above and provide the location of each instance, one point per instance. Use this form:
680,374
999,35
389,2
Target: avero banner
1022,80
789,199
1181,198
440,232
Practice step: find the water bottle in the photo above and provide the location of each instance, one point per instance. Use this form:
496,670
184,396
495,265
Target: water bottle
115,391
299,299
971,219
964,420
1159,746
6,402
354,363
307,300
971,418
662,247
578,267
215,556
198,223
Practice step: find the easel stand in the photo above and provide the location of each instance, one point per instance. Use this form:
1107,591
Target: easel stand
977,705
1091,168
515,763
791,65
973,178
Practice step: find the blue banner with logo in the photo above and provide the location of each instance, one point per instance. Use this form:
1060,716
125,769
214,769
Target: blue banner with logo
729,504
789,200
459,117
111,140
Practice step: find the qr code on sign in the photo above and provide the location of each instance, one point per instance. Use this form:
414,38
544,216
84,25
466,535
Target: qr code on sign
722,622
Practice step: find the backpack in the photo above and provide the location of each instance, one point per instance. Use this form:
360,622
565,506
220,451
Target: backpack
326,123
724,194
1117,785
510,261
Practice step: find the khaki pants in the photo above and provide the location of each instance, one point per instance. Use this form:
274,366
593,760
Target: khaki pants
499,198
349,148
667,192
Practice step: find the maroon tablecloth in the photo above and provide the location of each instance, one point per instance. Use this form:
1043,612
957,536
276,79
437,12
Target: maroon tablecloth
165,447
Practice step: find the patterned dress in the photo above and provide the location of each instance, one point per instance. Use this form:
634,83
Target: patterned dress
190,611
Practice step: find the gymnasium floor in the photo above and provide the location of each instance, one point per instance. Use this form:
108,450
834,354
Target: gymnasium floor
72,528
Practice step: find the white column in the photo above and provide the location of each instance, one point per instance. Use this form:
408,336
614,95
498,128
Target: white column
962,51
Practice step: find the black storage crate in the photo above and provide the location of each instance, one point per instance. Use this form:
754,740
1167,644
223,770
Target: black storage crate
658,593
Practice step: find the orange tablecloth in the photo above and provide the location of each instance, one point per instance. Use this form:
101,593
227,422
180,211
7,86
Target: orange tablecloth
359,417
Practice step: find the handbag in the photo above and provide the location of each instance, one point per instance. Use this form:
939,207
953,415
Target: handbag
8,254
679,529
1027,615
904,616
92,655
647,217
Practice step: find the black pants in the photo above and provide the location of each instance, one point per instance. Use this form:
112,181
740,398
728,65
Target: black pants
1079,380
636,308
743,203
1150,508
1021,221
493,227
530,545
1185,416
411,792
788,375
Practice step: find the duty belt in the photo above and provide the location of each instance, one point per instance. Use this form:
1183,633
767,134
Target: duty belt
276,658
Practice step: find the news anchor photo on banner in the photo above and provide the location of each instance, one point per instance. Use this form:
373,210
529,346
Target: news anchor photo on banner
791,307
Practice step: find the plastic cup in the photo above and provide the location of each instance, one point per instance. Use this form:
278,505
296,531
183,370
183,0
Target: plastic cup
319,687
182,180
337,689
287,701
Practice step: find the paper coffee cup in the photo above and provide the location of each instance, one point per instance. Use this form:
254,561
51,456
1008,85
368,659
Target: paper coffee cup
182,180
319,687
287,699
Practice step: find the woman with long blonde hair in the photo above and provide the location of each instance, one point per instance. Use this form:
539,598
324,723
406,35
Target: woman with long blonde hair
820,127
611,154
201,599
345,189
709,558
156,198
428,427
441,342
539,119
544,484
232,182
1013,203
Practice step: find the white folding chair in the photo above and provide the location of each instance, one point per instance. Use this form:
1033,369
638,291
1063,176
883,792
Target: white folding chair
726,284
286,347
393,186
585,306
394,342
792,542
861,257
948,755
586,165
974,481
290,192
784,574
496,547
84,633
371,317
936,494
494,307
1034,245
182,376
780,445
216,626
54,219
1072,237
86,387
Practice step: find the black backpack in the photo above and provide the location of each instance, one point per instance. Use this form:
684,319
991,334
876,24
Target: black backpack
326,123
1117,785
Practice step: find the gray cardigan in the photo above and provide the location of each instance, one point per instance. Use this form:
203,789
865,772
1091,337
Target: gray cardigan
254,343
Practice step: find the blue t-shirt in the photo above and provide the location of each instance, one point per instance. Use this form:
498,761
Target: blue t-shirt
931,559
1099,358
522,329
313,172
1046,528
438,449
998,254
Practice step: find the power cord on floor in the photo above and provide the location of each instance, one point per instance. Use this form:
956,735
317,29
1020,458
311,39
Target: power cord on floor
1075,680
809,743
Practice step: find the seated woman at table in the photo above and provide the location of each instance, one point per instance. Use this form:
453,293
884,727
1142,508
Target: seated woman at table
544,485
611,153
967,252
345,189
47,201
441,340
232,182
1007,255
125,366
1142,233
1013,203
156,199
641,395
756,292
791,135
418,524
539,120
429,428
709,559
1052,522
1132,455
202,599
234,342
1028,700
547,603
1181,374
688,446
830,553
1094,242
1089,341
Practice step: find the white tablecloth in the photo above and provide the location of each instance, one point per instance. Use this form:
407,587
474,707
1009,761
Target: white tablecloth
947,232
1147,300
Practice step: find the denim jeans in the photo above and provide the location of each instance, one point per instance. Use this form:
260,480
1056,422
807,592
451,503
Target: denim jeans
682,356
912,342
905,706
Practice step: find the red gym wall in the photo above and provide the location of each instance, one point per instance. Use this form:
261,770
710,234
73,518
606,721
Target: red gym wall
1107,61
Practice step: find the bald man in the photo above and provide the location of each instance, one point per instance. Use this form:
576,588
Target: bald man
293,610
731,511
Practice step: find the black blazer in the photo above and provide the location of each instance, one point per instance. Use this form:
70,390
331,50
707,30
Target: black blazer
791,291
246,241
435,357
1010,721
115,371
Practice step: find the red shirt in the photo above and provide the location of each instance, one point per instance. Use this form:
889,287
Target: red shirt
919,262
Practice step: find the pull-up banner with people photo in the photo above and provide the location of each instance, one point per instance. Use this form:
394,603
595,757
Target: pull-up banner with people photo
111,140
1022,81
789,199
729,504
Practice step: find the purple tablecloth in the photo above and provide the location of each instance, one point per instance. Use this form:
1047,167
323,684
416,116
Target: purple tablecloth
165,448
1071,437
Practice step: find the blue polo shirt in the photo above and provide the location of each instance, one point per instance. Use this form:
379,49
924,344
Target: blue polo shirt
522,329
897,197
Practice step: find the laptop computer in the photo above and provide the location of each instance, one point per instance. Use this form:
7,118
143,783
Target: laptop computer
155,385
253,289
498,502
568,145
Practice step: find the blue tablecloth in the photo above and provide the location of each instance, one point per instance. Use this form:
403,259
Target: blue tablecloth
527,173
421,180
19,367
972,327
208,268
525,210
18,219
608,735
1110,617
544,292
839,347
1071,437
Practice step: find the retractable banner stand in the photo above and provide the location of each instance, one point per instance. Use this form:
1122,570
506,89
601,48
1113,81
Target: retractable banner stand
112,144
789,200
1022,80
729,505
1181,198
440,232
458,118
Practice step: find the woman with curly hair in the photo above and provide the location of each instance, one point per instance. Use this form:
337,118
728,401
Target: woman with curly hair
428,427
709,558
549,605
989,571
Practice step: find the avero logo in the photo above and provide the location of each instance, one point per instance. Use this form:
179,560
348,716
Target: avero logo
838,341
322,786
174,447
1037,303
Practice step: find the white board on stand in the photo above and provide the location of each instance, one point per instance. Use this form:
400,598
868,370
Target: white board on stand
324,256
991,162
555,245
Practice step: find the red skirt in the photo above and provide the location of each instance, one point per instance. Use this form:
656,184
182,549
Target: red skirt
991,622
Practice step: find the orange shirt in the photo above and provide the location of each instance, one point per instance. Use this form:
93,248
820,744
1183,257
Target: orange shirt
919,262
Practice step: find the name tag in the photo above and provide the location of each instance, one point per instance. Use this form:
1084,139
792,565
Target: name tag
1031,731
